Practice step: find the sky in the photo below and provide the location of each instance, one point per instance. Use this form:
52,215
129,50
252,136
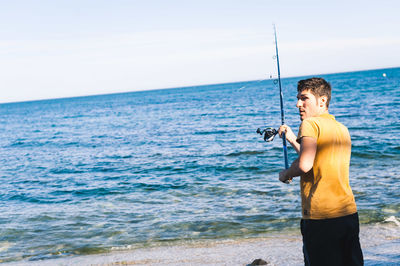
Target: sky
64,48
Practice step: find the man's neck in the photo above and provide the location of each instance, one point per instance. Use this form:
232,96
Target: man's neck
323,111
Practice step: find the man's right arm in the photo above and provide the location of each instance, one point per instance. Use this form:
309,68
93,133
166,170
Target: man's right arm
304,163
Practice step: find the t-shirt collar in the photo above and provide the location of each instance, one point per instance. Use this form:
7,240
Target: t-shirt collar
327,115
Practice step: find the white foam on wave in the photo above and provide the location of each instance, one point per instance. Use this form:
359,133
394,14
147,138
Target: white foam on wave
380,242
393,219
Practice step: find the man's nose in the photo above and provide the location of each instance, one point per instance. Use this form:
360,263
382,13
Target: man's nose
298,104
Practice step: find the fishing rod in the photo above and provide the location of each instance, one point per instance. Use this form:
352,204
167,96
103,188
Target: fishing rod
270,133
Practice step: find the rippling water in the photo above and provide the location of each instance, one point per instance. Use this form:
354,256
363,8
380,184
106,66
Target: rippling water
93,174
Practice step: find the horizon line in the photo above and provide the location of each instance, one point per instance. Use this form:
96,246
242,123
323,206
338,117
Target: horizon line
194,85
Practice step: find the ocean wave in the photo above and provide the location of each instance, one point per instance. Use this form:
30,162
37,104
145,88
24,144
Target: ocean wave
234,154
27,143
61,171
213,132
160,187
23,197
394,220
374,155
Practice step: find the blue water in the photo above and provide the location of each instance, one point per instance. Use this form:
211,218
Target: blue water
93,174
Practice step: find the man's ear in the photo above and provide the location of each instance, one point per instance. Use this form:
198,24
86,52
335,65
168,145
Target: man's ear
322,101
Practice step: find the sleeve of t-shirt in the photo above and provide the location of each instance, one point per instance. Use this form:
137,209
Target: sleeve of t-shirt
308,128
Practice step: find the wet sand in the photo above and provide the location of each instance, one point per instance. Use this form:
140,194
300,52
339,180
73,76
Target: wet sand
380,243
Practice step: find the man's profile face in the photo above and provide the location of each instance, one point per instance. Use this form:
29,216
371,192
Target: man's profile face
307,104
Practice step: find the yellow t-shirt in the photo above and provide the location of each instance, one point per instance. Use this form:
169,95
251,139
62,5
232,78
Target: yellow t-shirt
325,189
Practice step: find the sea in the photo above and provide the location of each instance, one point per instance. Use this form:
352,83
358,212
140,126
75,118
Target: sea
98,174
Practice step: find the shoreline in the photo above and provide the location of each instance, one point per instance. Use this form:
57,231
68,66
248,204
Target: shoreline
204,252
380,244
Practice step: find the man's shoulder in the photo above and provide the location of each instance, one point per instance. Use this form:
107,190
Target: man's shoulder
311,120
327,122
324,119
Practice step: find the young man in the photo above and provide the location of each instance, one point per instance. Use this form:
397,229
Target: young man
330,225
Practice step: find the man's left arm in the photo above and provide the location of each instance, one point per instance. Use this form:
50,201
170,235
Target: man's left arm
303,164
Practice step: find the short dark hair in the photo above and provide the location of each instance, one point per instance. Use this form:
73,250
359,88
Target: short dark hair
318,86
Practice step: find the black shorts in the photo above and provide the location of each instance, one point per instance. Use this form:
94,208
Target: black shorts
332,241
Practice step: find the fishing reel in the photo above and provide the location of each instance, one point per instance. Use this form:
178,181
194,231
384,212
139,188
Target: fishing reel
269,133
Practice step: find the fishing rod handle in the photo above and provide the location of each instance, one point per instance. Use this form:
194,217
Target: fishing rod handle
285,150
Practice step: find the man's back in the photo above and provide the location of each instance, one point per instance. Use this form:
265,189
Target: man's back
326,192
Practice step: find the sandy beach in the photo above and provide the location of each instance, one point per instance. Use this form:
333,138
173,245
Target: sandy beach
380,243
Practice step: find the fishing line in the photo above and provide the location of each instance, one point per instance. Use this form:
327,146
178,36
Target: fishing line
224,99
253,83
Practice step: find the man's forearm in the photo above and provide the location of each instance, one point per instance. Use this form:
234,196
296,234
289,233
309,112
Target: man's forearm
304,163
290,137
295,145
294,170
